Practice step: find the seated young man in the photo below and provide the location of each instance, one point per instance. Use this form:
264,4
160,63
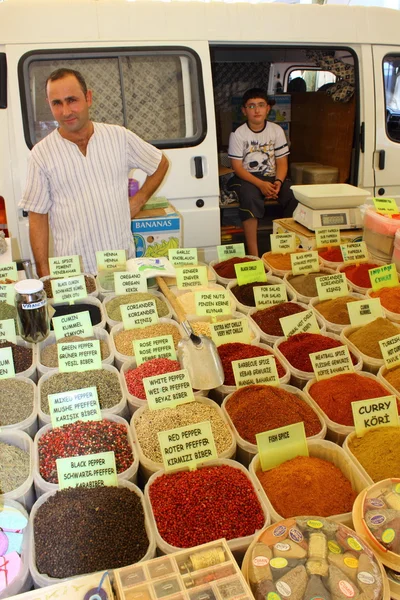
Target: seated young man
258,151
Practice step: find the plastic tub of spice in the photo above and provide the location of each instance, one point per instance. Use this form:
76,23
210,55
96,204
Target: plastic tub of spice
394,583
333,397
90,303
390,378
19,405
146,424
280,264
90,282
224,270
47,354
186,298
122,339
231,507
201,325
107,380
357,275
257,408
390,301
331,257
112,305
243,295
15,577
79,439
333,312
376,454
365,340
295,351
326,487
304,285
16,468
67,543
24,356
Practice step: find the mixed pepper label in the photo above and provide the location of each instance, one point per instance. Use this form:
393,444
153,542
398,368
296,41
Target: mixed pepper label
77,405
305,262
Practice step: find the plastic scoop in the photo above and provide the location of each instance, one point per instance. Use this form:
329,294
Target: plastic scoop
198,354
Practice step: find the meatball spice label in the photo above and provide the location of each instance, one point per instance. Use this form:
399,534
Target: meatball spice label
327,236
282,243
7,369
168,390
354,253
390,349
386,206
161,346
226,332
90,471
78,405
269,295
187,445
7,331
75,324
304,322
385,276
250,272
279,445
373,413
187,277
7,294
212,303
229,250
139,314
332,286
331,362
305,262
9,271
364,311
68,290
183,256
79,356
110,260
258,370
65,266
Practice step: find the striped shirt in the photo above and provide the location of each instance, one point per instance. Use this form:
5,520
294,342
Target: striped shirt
86,197
259,150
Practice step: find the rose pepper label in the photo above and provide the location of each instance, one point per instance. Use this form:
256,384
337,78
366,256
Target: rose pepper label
354,253
225,332
254,371
385,276
168,390
126,282
65,266
139,314
7,369
79,356
331,362
9,271
90,471
157,347
304,322
189,446
183,256
282,243
75,324
77,405
7,293
391,351
228,251
69,290
110,260
187,277
305,262
7,331
373,413
281,444
268,295
386,206
212,303
332,286
362,312
250,272
327,236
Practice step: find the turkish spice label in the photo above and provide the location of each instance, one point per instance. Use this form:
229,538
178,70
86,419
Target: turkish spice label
386,206
227,332
390,349
77,405
156,347
69,290
168,390
385,276
305,262
75,324
373,413
228,251
139,314
9,271
7,331
187,277
182,256
65,266
90,471
332,286
327,236
355,252
110,260
126,282
7,369
7,293
268,295
255,371
281,444
331,362
189,446
304,322
362,312
250,272
79,356
282,243
214,302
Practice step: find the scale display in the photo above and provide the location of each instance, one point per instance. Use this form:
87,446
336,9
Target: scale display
335,219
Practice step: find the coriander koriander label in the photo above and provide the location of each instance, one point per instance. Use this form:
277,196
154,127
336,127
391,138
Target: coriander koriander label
268,295
9,271
255,371
139,314
373,413
187,277
7,331
281,444
282,243
230,250
362,312
390,348
305,262
182,256
65,266
384,276
7,294
69,290
331,362
190,445
77,405
7,369
126,282
332,286
386,206
355,252
89,471
327,236
212,303
250,272
168,390
75,324
236,330
110,260
304,322
79,356
161,346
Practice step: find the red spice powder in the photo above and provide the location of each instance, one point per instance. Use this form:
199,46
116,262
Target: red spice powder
298,347
155,366
268,318
358,274
239,351
226,268
333,254
390,298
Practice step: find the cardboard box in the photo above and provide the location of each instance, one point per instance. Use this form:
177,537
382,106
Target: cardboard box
155,231
305,238
281,112
286,129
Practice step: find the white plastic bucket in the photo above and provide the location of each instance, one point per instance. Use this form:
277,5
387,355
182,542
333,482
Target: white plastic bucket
156,294
30,424
88,300
24,494
243,308
225,280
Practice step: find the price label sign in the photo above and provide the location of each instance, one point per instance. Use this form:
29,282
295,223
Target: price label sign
187,277
281,444
190,445
390,349
65,266
212,303
255,371
89,471
331,362
386,206
7,293
68,290
354,253
385,276
7,331
282,243
77,405
373,413
126,282
230,250
7,369
226,332
79,356
183,256
332,286
75,324
268,295
362,312
250,272
9,271
110,260
157,347
139,314
305,262
304,322
168,390
327,236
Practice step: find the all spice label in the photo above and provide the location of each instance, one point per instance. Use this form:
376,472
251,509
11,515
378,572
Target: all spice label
269,295
331,362
68,290
226,332
327,236
9,271
373,413
305,262
250,272
79,356
77,405
332,286
362,312
187,277
282,243
281,444
355,252
230,250
90,471
75,324
168,390
253,371
7,369
391,351
386,206
189,445
212,303
126,282
183,256
385,276
65,266
139,314
110,260
7,331
161,346
7,294
303,322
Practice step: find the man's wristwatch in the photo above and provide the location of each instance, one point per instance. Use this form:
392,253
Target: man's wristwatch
280,181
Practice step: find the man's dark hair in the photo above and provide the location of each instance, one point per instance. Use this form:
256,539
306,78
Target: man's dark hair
61,73
256,93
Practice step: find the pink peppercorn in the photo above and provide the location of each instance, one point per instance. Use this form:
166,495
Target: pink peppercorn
195,507
155,366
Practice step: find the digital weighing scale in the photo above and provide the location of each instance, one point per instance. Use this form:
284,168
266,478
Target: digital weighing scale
329,205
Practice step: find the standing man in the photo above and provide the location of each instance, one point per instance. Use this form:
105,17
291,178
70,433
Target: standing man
258,151
77,180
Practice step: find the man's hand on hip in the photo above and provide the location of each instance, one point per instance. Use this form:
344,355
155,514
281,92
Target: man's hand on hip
137,202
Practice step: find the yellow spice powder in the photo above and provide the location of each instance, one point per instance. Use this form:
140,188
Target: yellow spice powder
379,452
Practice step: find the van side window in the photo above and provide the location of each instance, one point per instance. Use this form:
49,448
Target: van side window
313,80
391,77
156,94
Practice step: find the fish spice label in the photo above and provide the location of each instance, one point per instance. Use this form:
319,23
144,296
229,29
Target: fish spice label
90,471
373,413
268,295
190,445
168,390
281,444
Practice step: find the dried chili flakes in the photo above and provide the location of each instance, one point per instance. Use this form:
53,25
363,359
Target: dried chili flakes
297,348
239,351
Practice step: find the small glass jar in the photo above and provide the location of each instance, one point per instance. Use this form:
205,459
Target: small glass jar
32,314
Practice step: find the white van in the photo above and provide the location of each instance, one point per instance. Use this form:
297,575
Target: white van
174,72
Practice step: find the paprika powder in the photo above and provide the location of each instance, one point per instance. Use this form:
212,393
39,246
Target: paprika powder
268,318
333,254
297,348
239,351
358,274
